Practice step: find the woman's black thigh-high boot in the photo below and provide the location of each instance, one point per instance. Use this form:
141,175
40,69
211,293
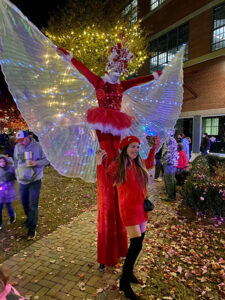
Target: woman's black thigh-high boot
132,254
133,278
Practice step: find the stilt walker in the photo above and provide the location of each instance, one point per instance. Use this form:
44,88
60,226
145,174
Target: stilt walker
110,123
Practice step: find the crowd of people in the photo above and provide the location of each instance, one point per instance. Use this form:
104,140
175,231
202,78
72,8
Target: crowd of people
173,161
127,172
126,178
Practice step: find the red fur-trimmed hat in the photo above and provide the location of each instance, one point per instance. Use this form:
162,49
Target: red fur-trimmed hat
128,140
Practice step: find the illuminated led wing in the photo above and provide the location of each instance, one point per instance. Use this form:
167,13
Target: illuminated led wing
52,96
155,106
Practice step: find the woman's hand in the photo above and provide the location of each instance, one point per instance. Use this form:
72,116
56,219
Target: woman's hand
157,142
31,163
100,156
153,141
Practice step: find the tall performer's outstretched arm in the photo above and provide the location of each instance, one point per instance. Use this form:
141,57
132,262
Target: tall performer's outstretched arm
127,84
91,77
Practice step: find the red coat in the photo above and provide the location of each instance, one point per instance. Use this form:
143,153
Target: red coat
182,160
112,236
131,194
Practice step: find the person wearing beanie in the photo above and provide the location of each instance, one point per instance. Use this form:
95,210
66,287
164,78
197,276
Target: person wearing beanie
29,162
129,173
205,144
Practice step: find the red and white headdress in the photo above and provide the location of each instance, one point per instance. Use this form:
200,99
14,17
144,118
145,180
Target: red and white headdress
118,59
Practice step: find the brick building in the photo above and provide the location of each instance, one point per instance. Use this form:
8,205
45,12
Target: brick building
201,26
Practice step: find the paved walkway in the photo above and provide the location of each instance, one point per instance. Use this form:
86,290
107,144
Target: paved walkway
63,264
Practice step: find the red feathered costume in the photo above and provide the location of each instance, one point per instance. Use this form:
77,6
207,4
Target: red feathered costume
109,123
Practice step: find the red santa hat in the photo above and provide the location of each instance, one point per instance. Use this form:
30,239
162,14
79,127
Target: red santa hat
128,140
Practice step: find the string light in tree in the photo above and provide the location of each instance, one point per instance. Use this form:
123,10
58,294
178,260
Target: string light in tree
93,45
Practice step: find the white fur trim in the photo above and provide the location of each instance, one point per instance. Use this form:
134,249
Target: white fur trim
155,75
107,78
109,129
68,56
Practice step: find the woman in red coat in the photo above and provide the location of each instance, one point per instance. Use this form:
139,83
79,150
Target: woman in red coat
129,174
182,162
110,123
182,165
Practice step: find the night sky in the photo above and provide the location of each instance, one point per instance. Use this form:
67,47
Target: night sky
38,11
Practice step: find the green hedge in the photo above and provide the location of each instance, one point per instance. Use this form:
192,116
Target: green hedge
204,188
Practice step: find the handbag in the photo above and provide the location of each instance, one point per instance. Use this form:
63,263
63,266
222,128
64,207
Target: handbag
148,205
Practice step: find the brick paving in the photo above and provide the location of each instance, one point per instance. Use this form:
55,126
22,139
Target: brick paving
63,265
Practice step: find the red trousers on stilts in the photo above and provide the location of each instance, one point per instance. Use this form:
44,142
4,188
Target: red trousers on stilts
112,237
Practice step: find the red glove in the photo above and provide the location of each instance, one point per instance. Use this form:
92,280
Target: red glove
61,51
157,74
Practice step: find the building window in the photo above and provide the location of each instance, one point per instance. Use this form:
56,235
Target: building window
215,126
131,11
218,28
184,126
155,3
165,47
210,126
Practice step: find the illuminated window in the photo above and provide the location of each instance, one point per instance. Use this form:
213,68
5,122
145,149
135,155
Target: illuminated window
131,11
210,126
155,3
215,126
218,40
165,47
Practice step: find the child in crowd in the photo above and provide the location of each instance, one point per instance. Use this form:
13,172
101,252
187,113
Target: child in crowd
7,189
7,291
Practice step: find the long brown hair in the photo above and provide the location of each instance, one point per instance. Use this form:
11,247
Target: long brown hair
124,162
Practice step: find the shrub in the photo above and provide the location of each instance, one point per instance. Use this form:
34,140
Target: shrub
204,188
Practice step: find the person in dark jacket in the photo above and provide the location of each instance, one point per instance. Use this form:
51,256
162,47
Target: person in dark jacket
205,144
158,165
7,189
10,146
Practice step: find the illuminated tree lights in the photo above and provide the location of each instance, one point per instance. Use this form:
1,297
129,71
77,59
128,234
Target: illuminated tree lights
92,45
10,117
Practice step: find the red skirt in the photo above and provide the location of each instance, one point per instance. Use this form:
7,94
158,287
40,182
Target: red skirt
109,120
